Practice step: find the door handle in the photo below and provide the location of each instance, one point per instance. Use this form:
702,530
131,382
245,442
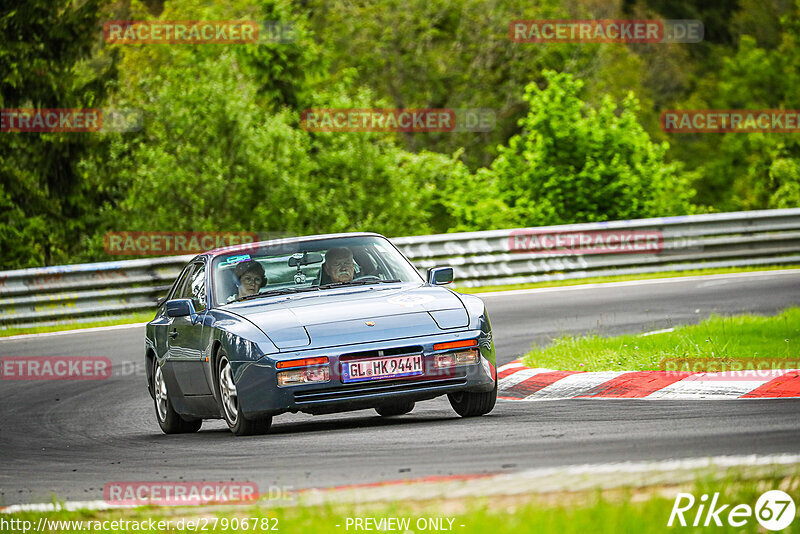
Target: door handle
173,334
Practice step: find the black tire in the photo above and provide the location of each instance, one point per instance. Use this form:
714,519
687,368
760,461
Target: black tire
237,422
400,408
168,419
467,404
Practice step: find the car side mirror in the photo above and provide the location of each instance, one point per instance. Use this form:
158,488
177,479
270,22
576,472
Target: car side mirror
439,276
180,308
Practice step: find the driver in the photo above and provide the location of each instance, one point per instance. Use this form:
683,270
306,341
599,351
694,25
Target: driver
251,277
339,265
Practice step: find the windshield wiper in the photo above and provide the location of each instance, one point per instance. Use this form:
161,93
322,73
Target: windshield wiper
292,290
359,283
274,292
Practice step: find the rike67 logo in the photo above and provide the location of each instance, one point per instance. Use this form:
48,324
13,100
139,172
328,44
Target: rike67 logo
774,510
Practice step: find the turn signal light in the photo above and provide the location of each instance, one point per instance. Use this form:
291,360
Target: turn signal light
304,362
456,344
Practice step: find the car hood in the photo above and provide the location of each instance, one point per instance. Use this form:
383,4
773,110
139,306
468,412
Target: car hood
351,315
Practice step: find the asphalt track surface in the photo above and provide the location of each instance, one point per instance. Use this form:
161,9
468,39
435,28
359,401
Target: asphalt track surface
69,438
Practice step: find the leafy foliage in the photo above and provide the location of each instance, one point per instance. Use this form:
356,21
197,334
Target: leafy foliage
47,61
574,163
577,136
221,149
748,170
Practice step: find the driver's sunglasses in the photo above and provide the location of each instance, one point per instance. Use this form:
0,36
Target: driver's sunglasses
251,280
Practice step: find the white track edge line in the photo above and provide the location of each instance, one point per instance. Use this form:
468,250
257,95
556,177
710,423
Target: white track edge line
76,331
673,279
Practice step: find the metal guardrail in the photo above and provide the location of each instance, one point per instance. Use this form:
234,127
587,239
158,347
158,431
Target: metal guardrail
771,237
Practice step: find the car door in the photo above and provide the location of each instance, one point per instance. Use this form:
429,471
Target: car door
161,323
184,337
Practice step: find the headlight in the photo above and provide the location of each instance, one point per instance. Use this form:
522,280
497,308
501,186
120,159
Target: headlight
307,370
306,375
462,357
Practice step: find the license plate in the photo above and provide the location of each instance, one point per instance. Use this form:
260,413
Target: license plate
382,368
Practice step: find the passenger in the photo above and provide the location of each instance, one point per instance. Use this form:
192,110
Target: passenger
251,277
339,265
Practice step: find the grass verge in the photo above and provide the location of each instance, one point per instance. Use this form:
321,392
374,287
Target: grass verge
624,278
640,510
720,338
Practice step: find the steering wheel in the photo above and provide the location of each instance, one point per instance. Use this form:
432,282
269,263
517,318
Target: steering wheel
367,277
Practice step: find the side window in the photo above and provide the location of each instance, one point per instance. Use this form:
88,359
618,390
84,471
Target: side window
177,290
196,287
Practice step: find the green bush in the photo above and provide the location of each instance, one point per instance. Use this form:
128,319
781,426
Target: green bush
574,163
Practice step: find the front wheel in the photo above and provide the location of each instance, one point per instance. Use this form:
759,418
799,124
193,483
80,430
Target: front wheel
229,397
467,404
169,420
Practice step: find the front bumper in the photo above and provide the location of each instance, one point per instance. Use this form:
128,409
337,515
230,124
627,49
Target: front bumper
259,394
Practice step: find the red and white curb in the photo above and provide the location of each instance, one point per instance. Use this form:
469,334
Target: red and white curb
518,382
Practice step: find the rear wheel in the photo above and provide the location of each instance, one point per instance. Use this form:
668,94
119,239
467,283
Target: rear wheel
229,397
169,420
400,408
467,404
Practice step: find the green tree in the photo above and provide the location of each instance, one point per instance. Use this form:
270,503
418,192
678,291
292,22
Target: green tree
737,170
574,163
46,61
448,54
222,147
784,174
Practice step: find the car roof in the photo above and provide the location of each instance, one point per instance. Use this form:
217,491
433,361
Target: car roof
210,254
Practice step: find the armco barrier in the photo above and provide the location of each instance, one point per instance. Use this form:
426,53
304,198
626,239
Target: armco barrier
770,237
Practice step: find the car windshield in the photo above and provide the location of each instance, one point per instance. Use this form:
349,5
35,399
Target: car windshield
292,267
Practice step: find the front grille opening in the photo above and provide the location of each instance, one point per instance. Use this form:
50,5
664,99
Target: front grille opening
365,390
